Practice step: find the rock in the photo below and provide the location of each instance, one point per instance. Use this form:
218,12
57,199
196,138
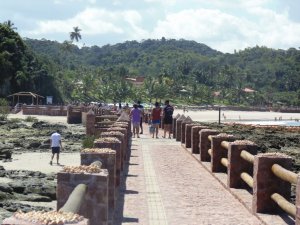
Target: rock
5,188
34,144
17,186
34,198
14,206
5,196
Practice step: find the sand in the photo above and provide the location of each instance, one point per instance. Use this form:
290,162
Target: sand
213,116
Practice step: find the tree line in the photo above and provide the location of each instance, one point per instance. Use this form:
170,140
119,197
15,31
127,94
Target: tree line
184,71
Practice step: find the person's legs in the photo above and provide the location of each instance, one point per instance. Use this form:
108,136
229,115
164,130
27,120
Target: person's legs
168,129
137,131
141,125
156,130
52,158
57,158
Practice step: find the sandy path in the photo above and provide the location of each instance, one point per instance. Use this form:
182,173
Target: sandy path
40,162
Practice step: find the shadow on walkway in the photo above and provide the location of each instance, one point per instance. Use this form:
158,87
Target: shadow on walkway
119,218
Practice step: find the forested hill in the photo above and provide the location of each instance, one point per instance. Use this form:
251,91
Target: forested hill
184,71
141,58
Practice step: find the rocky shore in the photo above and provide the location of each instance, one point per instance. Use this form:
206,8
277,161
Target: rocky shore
23,189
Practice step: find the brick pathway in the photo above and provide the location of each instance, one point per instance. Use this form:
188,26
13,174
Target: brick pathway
164,185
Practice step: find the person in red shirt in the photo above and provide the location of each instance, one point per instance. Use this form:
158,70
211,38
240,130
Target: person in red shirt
155,117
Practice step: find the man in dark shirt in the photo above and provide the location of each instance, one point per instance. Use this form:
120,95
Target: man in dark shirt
140,107
167,118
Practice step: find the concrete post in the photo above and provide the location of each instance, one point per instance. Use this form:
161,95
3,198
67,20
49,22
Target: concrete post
205,144
219,152
237,165
90,123
95,205
108,158
188,134
174,125
186,121
114,144
178,127
121,137
126,137
195,138
265,183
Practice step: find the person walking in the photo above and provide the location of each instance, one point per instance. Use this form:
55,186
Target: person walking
140,107
135,115
167,118
156,117
56,146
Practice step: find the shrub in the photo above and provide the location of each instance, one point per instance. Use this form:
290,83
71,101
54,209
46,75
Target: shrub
88,142
4,109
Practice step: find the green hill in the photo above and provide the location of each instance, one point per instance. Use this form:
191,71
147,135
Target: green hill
184,71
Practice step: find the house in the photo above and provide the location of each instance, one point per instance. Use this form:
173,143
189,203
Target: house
137,81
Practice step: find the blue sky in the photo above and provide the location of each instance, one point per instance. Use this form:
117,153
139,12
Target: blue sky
224,25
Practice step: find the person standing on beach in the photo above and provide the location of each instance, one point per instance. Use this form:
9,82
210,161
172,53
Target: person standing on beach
140,107
167,118
56,146
155,117
135,116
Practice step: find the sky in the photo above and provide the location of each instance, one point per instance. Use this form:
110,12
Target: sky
224,25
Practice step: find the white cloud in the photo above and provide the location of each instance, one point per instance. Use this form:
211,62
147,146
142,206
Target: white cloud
222,25
92,21
226,32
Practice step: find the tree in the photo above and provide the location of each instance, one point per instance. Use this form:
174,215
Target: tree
75,34
9,24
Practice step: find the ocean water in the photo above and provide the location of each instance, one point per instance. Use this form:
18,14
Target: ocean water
275,123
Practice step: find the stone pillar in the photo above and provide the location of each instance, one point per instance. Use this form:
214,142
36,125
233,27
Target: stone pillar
195,138
219,152
237,165
178,127
123,125
183,127
115,144
121,137
174,125
205,144
188,134
90,123
99,131
95,205
108,158
265,183
126,137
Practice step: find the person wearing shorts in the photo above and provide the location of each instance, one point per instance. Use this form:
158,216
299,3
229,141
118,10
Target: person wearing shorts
56,146
155,118
168,118
135,116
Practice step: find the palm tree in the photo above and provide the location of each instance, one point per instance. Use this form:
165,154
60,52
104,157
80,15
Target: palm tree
75,34
10,24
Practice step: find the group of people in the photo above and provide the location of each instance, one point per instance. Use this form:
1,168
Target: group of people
157,113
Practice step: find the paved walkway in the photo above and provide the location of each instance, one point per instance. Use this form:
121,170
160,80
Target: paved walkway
163,185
